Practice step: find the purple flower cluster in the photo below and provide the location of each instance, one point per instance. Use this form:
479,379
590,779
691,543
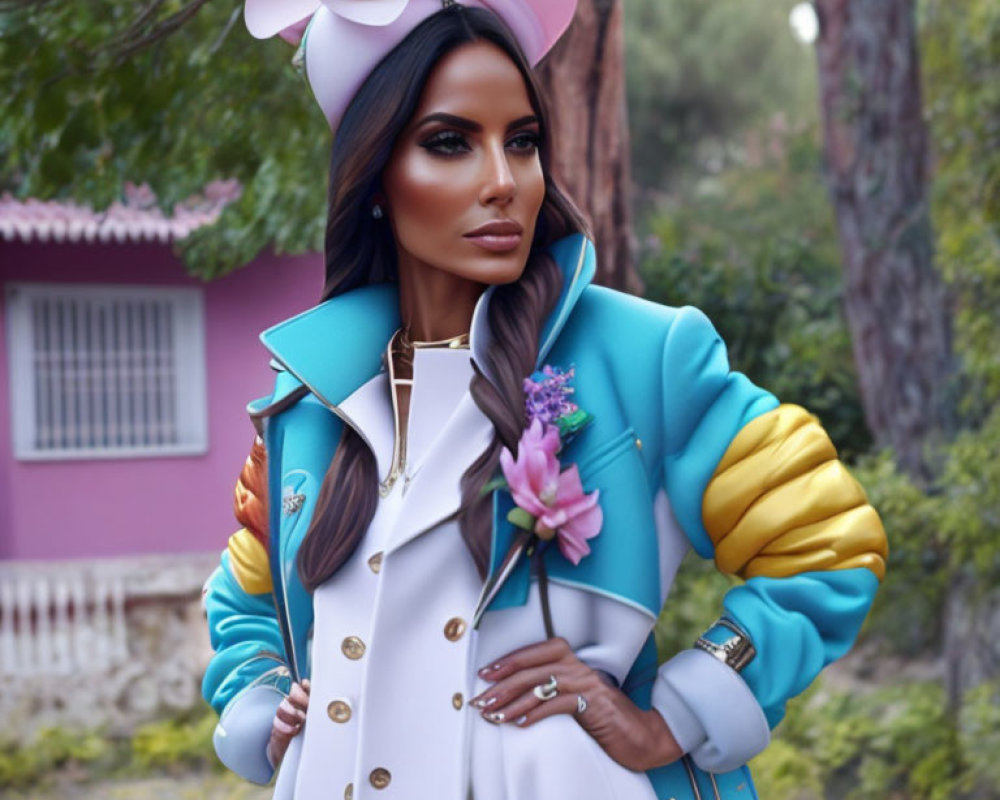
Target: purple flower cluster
546,395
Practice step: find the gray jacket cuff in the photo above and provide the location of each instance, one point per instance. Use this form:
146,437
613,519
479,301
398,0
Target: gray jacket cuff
244,730
710,710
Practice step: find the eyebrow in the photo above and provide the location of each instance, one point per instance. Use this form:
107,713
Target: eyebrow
468,125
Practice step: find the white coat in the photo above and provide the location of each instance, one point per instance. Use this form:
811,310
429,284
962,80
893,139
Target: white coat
394,658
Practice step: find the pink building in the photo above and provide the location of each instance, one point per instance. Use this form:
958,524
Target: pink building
123,385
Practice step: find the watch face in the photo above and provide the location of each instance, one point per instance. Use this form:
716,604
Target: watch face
730,645
721,635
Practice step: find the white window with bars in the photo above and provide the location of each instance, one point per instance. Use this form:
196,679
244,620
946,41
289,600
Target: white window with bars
106,371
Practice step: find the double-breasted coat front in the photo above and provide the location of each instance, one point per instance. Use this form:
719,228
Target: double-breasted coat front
393,641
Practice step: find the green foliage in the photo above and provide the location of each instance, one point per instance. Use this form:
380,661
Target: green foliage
755,249
687,109
980,735
183,743
176,743
970,508
936,534
909,604
891,742
85,114
961,56
785,772
52,748
695,601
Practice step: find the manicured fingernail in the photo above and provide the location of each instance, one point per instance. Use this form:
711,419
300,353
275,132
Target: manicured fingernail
496,716
487,670
284,727
484,702
522,719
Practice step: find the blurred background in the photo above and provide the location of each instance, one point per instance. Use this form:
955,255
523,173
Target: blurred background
823,179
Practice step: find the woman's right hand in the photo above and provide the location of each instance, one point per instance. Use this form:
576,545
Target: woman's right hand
288,721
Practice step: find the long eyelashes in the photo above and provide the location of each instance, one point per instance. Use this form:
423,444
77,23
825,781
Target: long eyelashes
446,143
526,142
452,144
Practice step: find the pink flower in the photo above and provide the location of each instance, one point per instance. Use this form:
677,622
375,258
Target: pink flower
556,500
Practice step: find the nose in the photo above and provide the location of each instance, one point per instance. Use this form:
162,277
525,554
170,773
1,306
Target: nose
499,186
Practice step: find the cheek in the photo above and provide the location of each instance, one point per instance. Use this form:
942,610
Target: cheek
423,194
532,189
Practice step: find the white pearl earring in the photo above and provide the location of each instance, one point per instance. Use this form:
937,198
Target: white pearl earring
377,212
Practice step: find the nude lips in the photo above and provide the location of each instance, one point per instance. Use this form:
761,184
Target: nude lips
500,236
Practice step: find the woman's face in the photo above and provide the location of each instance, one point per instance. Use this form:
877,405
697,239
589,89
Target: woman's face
464,184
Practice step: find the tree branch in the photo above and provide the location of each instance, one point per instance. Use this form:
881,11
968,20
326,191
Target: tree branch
225,30
160,31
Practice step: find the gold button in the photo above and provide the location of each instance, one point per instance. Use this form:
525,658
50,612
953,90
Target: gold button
454,629
339,711
638,444
375,563
349,792
353,648
457,701
380,778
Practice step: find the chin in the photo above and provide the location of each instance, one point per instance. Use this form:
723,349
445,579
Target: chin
495,270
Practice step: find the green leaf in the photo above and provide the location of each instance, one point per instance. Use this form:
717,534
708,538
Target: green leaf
571,424
492,486
520,518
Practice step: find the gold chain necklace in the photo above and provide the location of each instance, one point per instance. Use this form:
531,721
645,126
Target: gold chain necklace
399,359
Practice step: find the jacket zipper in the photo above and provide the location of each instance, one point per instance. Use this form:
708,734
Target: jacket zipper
686,761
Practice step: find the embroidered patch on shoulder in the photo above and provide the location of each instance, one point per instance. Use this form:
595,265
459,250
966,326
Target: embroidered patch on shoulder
292,503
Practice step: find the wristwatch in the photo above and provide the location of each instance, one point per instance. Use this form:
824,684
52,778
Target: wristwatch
728,642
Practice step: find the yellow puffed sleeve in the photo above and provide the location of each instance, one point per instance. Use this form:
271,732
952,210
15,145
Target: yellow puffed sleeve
781,503
248,547
249,564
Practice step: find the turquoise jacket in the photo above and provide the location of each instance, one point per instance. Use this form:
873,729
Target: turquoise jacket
666,410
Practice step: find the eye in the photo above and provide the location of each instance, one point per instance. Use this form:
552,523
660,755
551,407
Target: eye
524,142
446,143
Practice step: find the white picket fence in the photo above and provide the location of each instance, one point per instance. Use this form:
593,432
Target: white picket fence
61,618
60,621
101,643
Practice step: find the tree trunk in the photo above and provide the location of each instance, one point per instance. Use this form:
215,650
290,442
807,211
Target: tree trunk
876,150
585,79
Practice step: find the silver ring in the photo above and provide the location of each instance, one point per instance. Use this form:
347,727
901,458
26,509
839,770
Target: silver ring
581,704
546,691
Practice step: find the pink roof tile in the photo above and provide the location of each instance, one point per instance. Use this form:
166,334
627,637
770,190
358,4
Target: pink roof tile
136,219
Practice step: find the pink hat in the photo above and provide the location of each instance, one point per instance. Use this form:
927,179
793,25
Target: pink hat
346,39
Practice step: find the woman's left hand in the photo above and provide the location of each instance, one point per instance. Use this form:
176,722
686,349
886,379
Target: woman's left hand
636,739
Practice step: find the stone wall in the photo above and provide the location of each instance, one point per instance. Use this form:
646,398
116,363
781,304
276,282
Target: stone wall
102,643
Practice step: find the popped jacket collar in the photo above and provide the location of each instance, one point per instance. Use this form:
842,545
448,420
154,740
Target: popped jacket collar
338,345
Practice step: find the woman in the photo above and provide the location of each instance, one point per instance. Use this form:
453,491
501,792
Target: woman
440,632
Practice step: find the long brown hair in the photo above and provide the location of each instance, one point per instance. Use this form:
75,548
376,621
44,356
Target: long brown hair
360,250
